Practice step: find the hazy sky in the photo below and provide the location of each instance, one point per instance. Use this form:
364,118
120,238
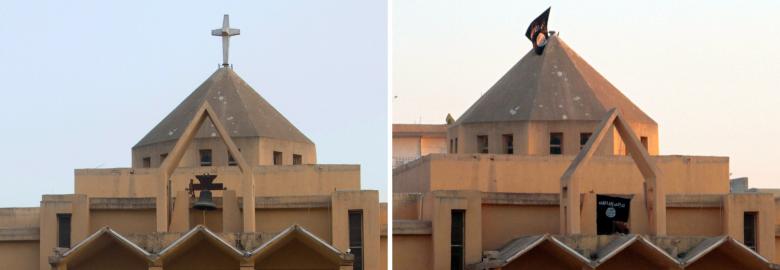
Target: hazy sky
707,71
84,81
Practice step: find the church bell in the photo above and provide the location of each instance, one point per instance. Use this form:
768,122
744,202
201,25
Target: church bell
205,185
205,201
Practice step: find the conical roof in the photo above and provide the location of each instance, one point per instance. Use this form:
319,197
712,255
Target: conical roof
556,85
243,112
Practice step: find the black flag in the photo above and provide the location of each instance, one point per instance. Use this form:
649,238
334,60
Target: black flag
537,31
612,214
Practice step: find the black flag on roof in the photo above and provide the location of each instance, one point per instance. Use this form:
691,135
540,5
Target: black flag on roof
537,31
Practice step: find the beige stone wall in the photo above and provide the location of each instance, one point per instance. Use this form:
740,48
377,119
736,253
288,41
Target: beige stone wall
21,255
211,219
75,204
269,180
249,148
501,223
267,146
736,204
123,221
23,217
366,201
383,253
442,204
541,174
777,250
256,151
315,220
407,206
412,252
533,137
688,221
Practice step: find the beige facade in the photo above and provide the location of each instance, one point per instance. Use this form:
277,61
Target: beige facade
518,186
279,209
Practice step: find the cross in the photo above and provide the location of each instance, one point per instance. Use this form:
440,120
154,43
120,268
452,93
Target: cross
206,182
225,32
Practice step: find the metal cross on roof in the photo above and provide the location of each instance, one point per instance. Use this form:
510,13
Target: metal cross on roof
225,32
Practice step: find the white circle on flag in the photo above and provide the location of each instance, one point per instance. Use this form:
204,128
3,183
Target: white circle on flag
611,212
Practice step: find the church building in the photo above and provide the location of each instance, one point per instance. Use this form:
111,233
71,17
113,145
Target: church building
554,168
224,181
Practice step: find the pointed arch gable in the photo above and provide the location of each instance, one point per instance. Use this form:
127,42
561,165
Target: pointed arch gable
95,245
638,244
570,186
530,245
723,247
170,163
308,239
195,236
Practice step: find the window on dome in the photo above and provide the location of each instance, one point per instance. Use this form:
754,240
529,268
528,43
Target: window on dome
277,158
556,143
584,137
205,157
482,144
509,147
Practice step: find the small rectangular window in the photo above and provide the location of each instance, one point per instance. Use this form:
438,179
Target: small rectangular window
231,160
482,144
509,147
63,230
297,159
456,145
277,158
584,137
452,148
356,237
162,157
643,139
750,230
457,240
205,157
147,162
556,143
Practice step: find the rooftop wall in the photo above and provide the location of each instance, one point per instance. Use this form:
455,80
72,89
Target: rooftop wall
22,217
541,174
269,180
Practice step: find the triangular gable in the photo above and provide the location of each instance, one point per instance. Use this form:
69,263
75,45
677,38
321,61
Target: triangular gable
98,238
744,253
311,240
570,186
648,250
197,234
163,202
523,245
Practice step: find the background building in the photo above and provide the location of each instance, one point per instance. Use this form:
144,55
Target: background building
528,166
412,141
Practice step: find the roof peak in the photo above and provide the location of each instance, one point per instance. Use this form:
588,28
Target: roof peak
552,86
242,110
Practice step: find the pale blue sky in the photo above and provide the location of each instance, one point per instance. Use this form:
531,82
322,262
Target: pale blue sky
706,71
83,81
